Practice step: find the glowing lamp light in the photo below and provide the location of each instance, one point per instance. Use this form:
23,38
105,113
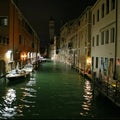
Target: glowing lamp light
8,53
23,56
88,61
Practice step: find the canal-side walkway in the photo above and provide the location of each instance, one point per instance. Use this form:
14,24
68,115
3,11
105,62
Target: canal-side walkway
111,89
107,87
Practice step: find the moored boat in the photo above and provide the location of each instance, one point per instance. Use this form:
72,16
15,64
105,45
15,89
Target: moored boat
28,67
17,74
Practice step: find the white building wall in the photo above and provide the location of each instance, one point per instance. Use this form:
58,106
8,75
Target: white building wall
106,50
118,39
118,33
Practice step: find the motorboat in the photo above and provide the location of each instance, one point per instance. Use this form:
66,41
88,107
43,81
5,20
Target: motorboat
17,74
28,67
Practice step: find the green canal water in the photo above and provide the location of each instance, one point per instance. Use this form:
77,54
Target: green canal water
54,91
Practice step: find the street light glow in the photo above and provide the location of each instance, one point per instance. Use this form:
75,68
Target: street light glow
8,53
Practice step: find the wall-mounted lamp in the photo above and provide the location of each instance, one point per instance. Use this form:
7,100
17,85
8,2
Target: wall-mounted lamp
23,56
88,61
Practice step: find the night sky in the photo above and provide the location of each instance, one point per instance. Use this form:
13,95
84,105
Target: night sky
38,13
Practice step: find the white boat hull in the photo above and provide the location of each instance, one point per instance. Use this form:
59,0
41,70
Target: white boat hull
17,75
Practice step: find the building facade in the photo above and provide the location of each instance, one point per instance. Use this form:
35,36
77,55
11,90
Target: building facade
91,42
84,40
118,39
54,49
105,48
19,43
103,41
75,42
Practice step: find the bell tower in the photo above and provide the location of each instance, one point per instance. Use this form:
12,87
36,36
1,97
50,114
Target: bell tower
51,30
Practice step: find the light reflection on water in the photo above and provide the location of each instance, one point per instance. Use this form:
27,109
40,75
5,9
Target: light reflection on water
55,91
8,108
16,100
88,97
28,96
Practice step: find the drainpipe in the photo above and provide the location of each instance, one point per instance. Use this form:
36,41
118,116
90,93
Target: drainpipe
115,71
13,34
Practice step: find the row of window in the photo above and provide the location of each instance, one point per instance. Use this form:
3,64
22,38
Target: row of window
107,36
4,22
21,40
105,7
4,40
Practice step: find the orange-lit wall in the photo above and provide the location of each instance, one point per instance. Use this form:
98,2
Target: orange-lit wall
15,30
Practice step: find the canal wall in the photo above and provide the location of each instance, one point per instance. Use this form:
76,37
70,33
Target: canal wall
107,87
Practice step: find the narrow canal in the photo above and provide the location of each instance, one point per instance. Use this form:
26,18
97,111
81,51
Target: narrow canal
54,91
